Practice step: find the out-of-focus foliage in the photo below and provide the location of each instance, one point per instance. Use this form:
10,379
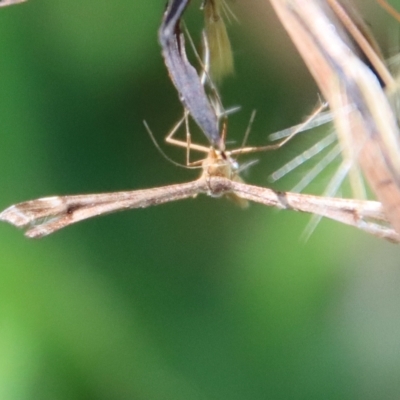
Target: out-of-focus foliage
193,300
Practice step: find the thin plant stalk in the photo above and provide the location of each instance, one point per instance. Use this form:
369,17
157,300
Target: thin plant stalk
368,134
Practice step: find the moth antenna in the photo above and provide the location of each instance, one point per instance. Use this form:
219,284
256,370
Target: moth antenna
161,151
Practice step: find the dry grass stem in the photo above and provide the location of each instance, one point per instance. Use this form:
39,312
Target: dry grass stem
368,134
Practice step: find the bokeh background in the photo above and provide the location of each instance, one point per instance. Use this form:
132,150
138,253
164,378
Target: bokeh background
190,300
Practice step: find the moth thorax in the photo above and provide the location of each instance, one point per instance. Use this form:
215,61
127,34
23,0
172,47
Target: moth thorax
219,163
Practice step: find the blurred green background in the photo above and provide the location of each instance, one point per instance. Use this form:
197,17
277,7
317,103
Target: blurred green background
190,300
